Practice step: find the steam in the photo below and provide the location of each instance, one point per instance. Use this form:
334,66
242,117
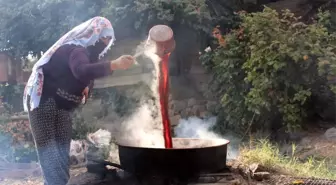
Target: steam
143,128
202,129
196,128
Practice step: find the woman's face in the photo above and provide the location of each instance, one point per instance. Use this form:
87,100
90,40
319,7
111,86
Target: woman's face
98,48
106,40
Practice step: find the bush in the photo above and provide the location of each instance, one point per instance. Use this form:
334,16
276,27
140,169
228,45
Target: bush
11,95
16,141
271,68
140,14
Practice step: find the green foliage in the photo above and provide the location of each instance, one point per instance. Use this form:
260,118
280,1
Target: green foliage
112,98
16,141
34,25
141,14
11,95
271,67
80,127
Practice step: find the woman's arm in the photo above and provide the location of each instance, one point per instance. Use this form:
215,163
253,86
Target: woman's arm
82,69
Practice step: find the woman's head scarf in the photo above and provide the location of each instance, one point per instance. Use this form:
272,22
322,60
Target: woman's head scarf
85,34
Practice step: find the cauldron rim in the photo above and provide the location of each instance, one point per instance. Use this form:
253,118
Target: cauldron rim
222,142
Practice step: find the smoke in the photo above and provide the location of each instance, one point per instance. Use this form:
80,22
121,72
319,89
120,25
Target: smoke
144,128
194,127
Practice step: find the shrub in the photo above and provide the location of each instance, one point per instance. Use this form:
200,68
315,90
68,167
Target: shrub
271,67
11,95
16,141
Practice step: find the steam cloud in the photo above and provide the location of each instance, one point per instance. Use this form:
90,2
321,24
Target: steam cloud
144,127
194,127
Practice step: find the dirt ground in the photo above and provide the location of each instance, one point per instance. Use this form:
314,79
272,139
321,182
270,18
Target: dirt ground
312,144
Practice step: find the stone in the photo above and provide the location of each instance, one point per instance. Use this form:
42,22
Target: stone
296,136
191,102
197,109
171,104
78,149
331,134
174,121
201,102
180,105
171,112
260,176
184,113
254,167
211,106
188,111
204,114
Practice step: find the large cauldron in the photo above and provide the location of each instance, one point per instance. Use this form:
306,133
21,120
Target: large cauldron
188,158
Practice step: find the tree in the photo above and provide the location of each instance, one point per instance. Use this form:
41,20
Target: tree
34,25
272,69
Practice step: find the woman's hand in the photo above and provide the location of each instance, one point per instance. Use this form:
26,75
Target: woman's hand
85,93
123,62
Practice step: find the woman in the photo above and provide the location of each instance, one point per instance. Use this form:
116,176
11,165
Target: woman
58,84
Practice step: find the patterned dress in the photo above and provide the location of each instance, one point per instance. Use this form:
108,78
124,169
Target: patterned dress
62,92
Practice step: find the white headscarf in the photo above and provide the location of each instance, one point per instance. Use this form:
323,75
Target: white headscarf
85,34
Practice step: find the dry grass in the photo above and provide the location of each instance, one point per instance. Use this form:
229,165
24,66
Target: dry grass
268,155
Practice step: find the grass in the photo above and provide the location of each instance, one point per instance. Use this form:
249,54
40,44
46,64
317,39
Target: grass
268,156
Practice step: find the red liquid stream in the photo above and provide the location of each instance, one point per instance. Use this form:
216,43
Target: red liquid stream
164,97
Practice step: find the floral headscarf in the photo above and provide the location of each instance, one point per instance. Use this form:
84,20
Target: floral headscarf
85,34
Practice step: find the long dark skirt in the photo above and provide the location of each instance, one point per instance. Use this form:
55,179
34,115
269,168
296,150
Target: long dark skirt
51,128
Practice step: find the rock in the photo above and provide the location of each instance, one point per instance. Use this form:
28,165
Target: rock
184,113
201,102
204,114
189,113
197,109
286,149
175,120
306,141
254,167
260,176
171,112
77,154
179,106
171,104
191,102
331,134
236,182
296,136
211,106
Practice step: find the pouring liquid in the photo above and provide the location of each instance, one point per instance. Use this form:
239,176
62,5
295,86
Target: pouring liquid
164,97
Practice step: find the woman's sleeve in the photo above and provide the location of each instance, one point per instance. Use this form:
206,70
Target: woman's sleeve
82,69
